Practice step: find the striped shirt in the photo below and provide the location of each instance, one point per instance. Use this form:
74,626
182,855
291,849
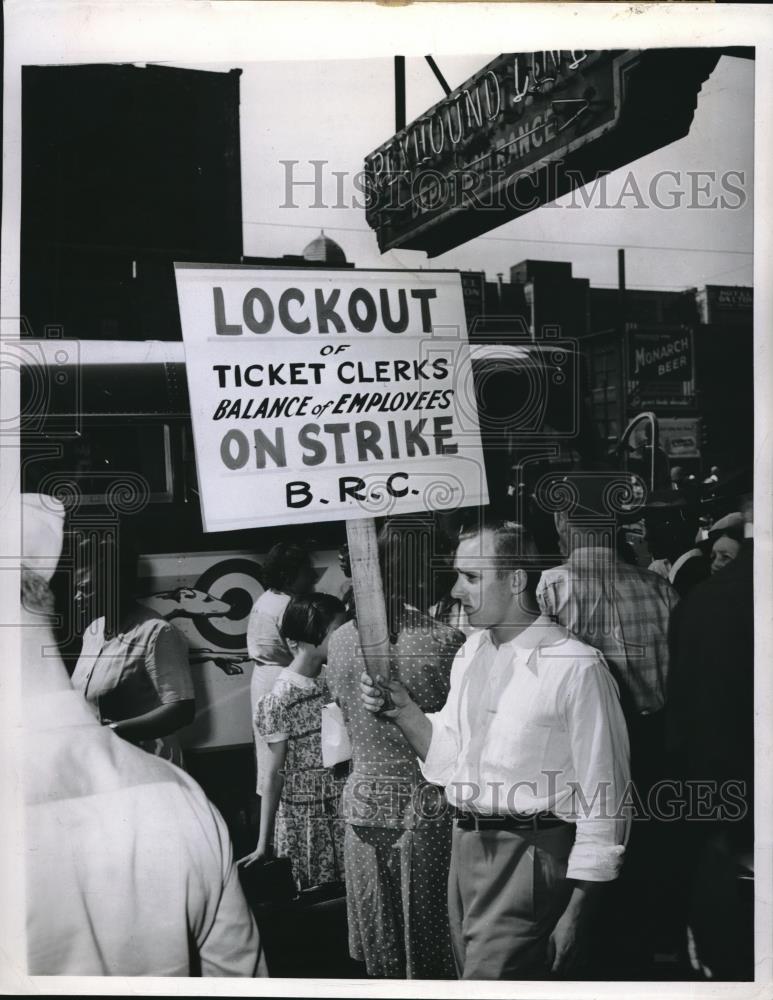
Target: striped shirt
621,610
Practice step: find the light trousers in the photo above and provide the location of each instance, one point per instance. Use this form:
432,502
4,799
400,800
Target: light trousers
506,891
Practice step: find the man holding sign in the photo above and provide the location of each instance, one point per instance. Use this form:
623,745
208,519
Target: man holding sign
532,749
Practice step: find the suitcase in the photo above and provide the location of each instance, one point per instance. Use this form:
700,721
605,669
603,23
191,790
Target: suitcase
304,935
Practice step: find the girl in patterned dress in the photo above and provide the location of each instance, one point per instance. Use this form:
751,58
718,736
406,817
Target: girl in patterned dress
300,806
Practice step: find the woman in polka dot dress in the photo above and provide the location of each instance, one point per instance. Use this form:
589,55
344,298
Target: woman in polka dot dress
398,827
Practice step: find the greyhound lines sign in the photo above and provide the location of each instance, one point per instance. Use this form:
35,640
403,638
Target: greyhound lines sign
321,395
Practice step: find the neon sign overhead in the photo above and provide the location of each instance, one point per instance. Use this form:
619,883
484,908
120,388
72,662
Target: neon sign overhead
506,141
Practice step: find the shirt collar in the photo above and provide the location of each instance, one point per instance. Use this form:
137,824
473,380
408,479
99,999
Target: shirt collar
299,680
525,643
596,556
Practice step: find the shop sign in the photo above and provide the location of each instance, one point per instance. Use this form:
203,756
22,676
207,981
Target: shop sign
660,367
680,438
327,395
473,286
524,130
726,304
661,357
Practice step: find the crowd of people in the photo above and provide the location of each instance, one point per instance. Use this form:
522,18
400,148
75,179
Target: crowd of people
552,779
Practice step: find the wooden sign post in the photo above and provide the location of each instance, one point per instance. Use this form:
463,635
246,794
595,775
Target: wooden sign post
369,596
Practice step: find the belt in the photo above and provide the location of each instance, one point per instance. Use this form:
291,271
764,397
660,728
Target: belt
475,821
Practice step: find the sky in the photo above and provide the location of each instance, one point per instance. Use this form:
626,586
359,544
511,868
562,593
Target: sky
340,110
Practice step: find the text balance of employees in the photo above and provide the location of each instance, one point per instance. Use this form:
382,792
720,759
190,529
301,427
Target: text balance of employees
358,402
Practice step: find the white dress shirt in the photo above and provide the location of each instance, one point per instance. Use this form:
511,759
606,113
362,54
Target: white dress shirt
535,725
129,866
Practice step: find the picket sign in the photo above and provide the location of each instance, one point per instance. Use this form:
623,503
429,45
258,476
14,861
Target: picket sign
330,395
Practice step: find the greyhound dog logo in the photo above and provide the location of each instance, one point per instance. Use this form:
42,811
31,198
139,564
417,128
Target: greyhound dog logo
186,602
197,605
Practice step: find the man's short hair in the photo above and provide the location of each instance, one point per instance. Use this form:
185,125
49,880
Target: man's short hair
514,547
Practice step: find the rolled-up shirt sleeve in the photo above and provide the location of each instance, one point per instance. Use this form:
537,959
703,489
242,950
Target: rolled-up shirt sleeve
443,753
601,758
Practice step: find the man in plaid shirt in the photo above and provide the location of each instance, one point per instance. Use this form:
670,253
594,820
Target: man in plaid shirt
620,609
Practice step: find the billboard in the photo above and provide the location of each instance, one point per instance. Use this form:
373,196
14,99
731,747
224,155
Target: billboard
661,367
726,304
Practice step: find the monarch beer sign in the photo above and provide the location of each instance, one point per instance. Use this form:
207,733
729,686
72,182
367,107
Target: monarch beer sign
661,367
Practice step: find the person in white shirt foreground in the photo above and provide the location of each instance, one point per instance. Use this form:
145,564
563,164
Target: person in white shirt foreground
129,866
532,749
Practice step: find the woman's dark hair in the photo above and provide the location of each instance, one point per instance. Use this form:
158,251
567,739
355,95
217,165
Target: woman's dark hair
111,560
405,553
734,531
415,560
283,564
307,619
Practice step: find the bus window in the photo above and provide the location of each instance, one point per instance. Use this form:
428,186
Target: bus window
105,457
